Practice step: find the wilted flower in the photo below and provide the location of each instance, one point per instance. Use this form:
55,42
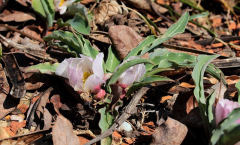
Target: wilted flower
223,108
61,5
132,74
85,74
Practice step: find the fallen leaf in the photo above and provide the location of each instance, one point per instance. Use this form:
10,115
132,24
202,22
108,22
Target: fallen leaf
62,132
18,17
15,126
170,132
191,44
32,31
124,39
47,119
82,140
7,103
187,85
55,100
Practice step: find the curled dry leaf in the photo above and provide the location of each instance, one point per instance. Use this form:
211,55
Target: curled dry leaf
105,10
124,39
32,31
62,132
18,17
170,132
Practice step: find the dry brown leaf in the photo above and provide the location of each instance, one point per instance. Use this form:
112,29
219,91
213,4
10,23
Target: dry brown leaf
191,44
15,126
105,10
7,103
18,17
47,119
62,132
187,85
144,5
55,100
170,132
32,31
124,39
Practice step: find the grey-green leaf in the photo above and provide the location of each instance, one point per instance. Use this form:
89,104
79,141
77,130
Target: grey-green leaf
225,124
238,88
124,67
200,15
146,81
145,43
46,9
45,68
113,60
197,75
105,122
210,109
175,29
231,135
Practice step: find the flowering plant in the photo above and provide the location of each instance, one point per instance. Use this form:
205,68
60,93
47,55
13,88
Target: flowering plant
61,5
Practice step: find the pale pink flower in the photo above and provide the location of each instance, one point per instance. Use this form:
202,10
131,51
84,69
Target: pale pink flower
132,74
223,108
85,74
61,5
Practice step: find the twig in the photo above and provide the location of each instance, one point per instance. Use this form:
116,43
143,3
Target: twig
21,32
127,113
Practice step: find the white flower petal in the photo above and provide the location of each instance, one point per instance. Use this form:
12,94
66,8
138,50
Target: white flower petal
91,82
68,2
128,79
98,66
62,69
62,9
86,64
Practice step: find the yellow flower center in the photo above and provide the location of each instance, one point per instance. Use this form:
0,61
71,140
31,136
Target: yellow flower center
85,76
62,1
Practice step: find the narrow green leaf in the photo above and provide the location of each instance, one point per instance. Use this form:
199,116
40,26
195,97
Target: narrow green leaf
45,68
224,125
105,122
157,70
124,67
200,15
145,43
197,75
175,29
210,109
46,9
237,85
146,81
75,8
231,135
112,60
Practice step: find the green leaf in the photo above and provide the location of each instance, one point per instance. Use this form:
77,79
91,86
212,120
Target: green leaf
45,68
210,109
175,29
237,85
197,75
231,135
224,125
145,43
112,60
46,9
200,15
124,67
146,81
105,122
74,44
75,8
156,70
79,23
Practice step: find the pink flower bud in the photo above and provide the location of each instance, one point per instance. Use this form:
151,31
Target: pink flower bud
100,95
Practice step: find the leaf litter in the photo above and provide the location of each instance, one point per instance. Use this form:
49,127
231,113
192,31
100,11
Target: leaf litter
154,84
